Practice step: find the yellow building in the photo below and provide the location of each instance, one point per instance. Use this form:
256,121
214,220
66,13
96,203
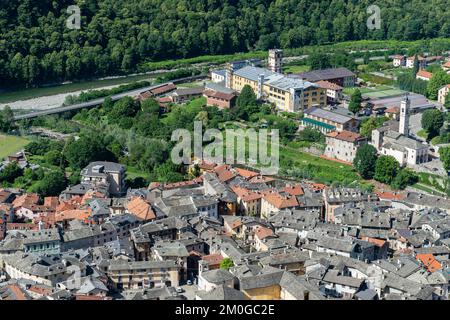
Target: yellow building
288,94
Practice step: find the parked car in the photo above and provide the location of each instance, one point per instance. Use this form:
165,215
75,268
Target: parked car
179,289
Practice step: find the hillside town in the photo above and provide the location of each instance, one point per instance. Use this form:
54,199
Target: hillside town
233,233
230,234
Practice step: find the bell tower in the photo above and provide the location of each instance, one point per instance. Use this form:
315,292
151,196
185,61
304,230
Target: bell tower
404,116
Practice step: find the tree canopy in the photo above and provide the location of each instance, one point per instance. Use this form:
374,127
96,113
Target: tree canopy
365,160
432,122
118,36
386,169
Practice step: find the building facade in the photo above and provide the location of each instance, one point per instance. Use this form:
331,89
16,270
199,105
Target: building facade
343,145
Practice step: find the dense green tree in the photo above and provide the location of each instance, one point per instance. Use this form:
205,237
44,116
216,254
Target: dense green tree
311,135
370,124
10,172
432,122
226,264
365,161
447,102
52,184
439,79
386,169
355,102
444,155
87,149
6,120
246,98
404,178
122,35
319,61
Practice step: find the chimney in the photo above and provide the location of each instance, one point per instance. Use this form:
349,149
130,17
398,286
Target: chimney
229,76
260,86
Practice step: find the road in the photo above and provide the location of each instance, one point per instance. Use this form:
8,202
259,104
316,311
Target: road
96,102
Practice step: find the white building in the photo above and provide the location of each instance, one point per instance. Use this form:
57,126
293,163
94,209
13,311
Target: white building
209,280
443,93
399,61
218,76
424,75
334,91
343,145
405,150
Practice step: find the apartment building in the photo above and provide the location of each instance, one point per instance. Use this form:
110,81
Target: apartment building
288,94
143,274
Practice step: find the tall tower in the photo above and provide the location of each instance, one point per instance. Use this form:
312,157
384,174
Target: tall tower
404,116
229,76
276,60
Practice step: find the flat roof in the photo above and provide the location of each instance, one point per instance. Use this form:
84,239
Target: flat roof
325,114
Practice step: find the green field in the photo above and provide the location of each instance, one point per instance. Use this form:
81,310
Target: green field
296,69
11,144
383,93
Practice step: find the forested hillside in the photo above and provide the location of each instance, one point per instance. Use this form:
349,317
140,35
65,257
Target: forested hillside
117,35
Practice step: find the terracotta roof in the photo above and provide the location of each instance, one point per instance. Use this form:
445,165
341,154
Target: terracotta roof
182,184
77,214
246,173
18,292
165,100
316,186
204,165
377,242
424,74
140,209
224,176
213,259
279,201
224,173
398,56
263,232
246,195
393,109
295,190
447,64
219,95
92,194
390,195
345,136
40,290
21,226
328,85
429,261
51,202
26,199
163,89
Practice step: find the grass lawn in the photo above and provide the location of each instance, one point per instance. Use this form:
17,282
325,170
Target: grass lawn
133,173
296,69
11,144
423,134
384,93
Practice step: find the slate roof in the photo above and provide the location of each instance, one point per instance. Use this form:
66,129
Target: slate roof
223,293
326,74
217,276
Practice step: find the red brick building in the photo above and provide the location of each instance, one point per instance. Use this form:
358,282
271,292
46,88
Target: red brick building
219,99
